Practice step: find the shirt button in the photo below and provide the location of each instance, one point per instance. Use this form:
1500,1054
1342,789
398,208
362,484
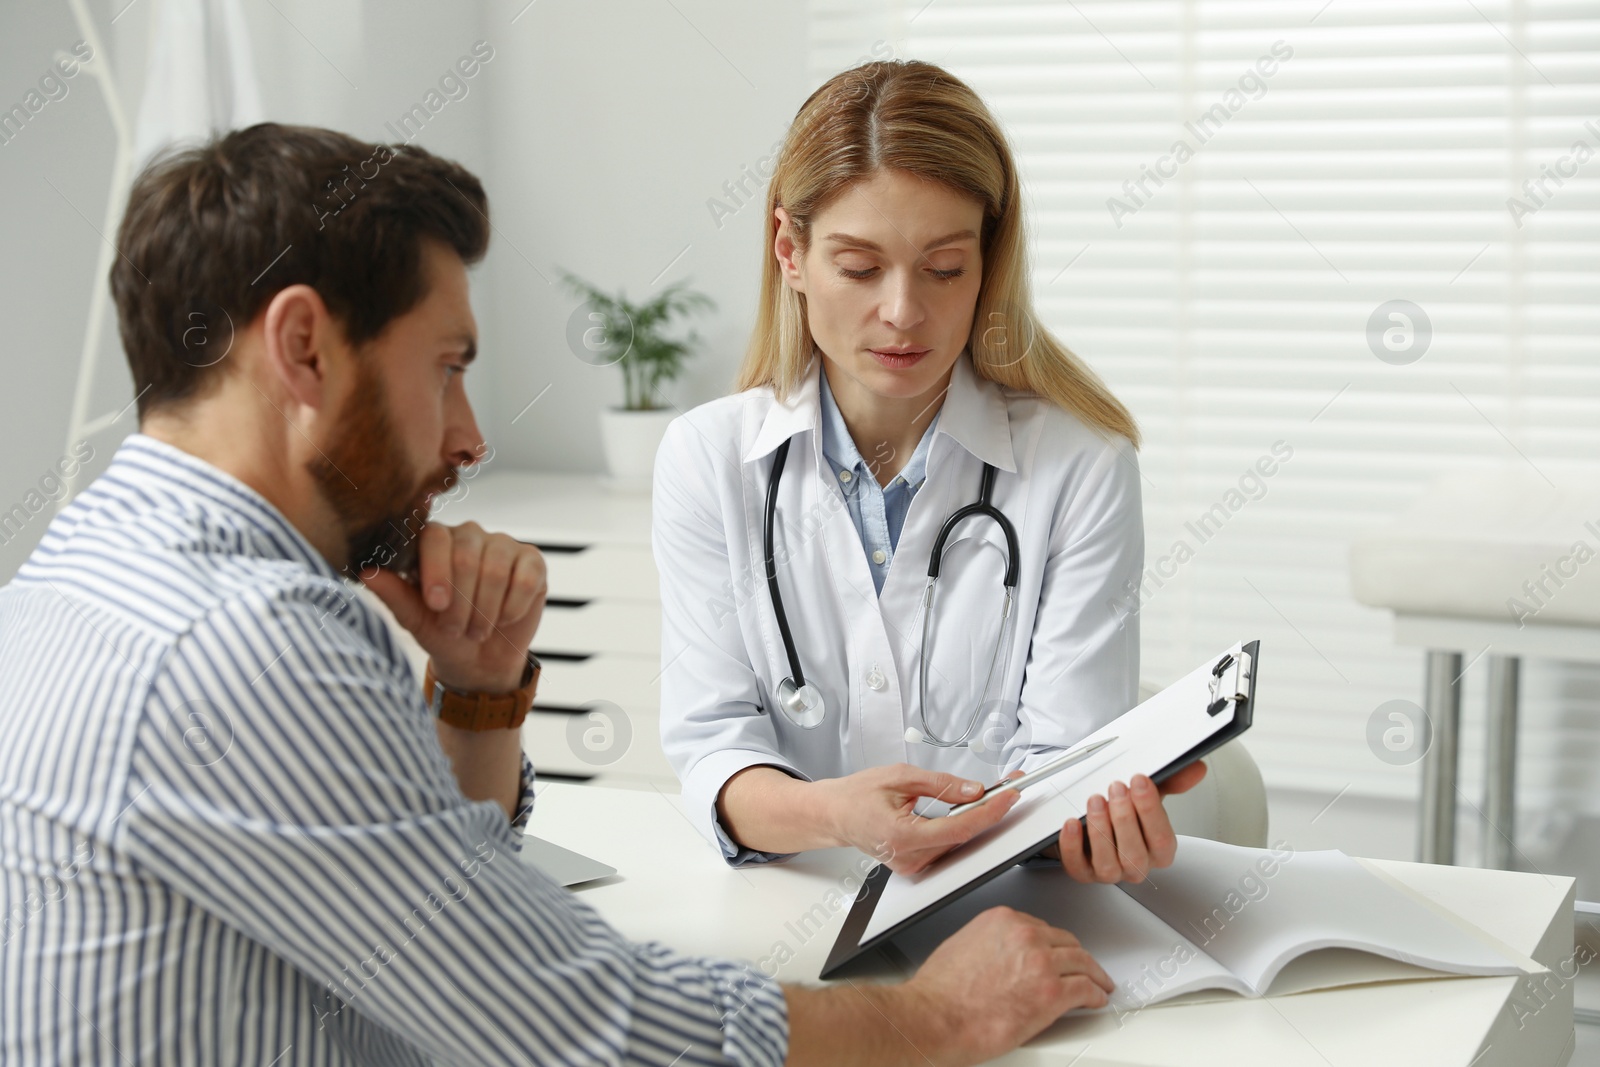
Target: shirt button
844,476
875,679
878,557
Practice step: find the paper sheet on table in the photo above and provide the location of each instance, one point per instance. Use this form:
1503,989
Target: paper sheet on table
1255,925
1149,737
1226,921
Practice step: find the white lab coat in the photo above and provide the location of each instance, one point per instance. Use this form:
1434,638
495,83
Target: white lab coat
1069,662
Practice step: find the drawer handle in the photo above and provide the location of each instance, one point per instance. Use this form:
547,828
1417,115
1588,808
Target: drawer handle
561,709
558,549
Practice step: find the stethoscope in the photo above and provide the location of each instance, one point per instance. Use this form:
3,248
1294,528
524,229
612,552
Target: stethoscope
802,703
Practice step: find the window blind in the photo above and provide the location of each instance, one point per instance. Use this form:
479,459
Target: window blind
1226,201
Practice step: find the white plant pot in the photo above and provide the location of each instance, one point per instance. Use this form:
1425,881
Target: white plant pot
630,440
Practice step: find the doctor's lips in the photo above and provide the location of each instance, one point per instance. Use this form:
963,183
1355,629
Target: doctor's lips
897,357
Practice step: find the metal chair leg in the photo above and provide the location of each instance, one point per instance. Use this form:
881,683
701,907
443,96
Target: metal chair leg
1500,771
1436,822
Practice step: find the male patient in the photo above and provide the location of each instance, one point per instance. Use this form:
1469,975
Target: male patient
232,830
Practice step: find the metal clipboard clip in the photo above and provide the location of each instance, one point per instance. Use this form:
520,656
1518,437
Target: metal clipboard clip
1241,679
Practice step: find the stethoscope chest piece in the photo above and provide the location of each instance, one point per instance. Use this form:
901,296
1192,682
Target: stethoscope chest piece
801,704
801,701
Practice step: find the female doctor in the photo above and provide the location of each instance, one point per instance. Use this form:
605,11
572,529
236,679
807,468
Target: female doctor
899,407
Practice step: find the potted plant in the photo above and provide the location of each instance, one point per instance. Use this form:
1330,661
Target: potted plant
609,329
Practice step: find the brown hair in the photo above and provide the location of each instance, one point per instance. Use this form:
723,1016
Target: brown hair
917,118
212,232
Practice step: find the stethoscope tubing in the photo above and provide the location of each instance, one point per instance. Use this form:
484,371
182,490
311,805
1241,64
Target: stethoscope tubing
983,507
772,565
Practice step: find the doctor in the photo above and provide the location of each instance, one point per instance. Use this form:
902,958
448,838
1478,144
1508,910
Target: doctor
899,404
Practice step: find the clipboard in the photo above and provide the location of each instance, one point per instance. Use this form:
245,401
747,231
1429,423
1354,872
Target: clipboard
1205,709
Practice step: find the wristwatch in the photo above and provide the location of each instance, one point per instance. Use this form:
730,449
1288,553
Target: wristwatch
477,710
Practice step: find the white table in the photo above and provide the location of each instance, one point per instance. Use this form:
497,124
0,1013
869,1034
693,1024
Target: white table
597,714
672,887
1484,564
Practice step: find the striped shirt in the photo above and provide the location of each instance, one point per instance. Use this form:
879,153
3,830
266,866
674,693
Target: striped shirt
228,834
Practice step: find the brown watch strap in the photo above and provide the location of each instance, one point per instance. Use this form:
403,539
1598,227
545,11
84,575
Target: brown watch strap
480,710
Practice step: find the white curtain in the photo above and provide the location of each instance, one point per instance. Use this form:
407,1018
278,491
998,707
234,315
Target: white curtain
200,77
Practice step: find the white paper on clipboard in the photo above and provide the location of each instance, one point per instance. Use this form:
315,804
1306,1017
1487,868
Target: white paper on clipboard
1149,737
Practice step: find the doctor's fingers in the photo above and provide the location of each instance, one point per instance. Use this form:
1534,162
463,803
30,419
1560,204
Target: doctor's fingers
951,830
1074,853
1089,850
950,788
1160,840
912,846
1129,830
1183,781
1116,840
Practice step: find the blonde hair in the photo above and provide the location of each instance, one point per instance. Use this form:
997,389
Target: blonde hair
917,118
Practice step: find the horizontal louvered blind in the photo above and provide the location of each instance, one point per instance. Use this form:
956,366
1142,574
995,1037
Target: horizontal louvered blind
1222,199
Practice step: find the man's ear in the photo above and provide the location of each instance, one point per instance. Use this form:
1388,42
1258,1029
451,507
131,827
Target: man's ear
298,337
783,247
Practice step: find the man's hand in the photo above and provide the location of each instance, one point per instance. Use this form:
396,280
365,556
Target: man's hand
872,810
479,603
1001,979
1127,834
995,983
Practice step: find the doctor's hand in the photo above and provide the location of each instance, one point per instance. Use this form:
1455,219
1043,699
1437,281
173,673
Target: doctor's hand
1126,834
476,607
873,811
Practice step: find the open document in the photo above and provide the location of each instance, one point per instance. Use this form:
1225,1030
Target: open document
1244,921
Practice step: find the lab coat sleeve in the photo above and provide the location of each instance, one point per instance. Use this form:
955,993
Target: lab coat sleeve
712,722
1083,660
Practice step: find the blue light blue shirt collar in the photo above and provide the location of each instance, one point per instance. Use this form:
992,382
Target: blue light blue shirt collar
877,512
839,448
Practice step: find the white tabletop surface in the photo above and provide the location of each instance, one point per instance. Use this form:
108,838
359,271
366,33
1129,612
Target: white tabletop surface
672,887
549,508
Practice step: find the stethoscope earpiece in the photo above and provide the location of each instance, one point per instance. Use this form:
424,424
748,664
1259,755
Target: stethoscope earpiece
913,735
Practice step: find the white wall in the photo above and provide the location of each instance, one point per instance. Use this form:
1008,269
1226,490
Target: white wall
600,131
52,188
611,127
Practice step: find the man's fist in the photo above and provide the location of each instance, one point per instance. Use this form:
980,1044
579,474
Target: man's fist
477,605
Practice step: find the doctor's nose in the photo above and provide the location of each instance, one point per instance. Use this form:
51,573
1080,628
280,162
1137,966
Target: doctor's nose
901,307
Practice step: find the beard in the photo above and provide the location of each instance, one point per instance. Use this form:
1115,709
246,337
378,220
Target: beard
365,477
